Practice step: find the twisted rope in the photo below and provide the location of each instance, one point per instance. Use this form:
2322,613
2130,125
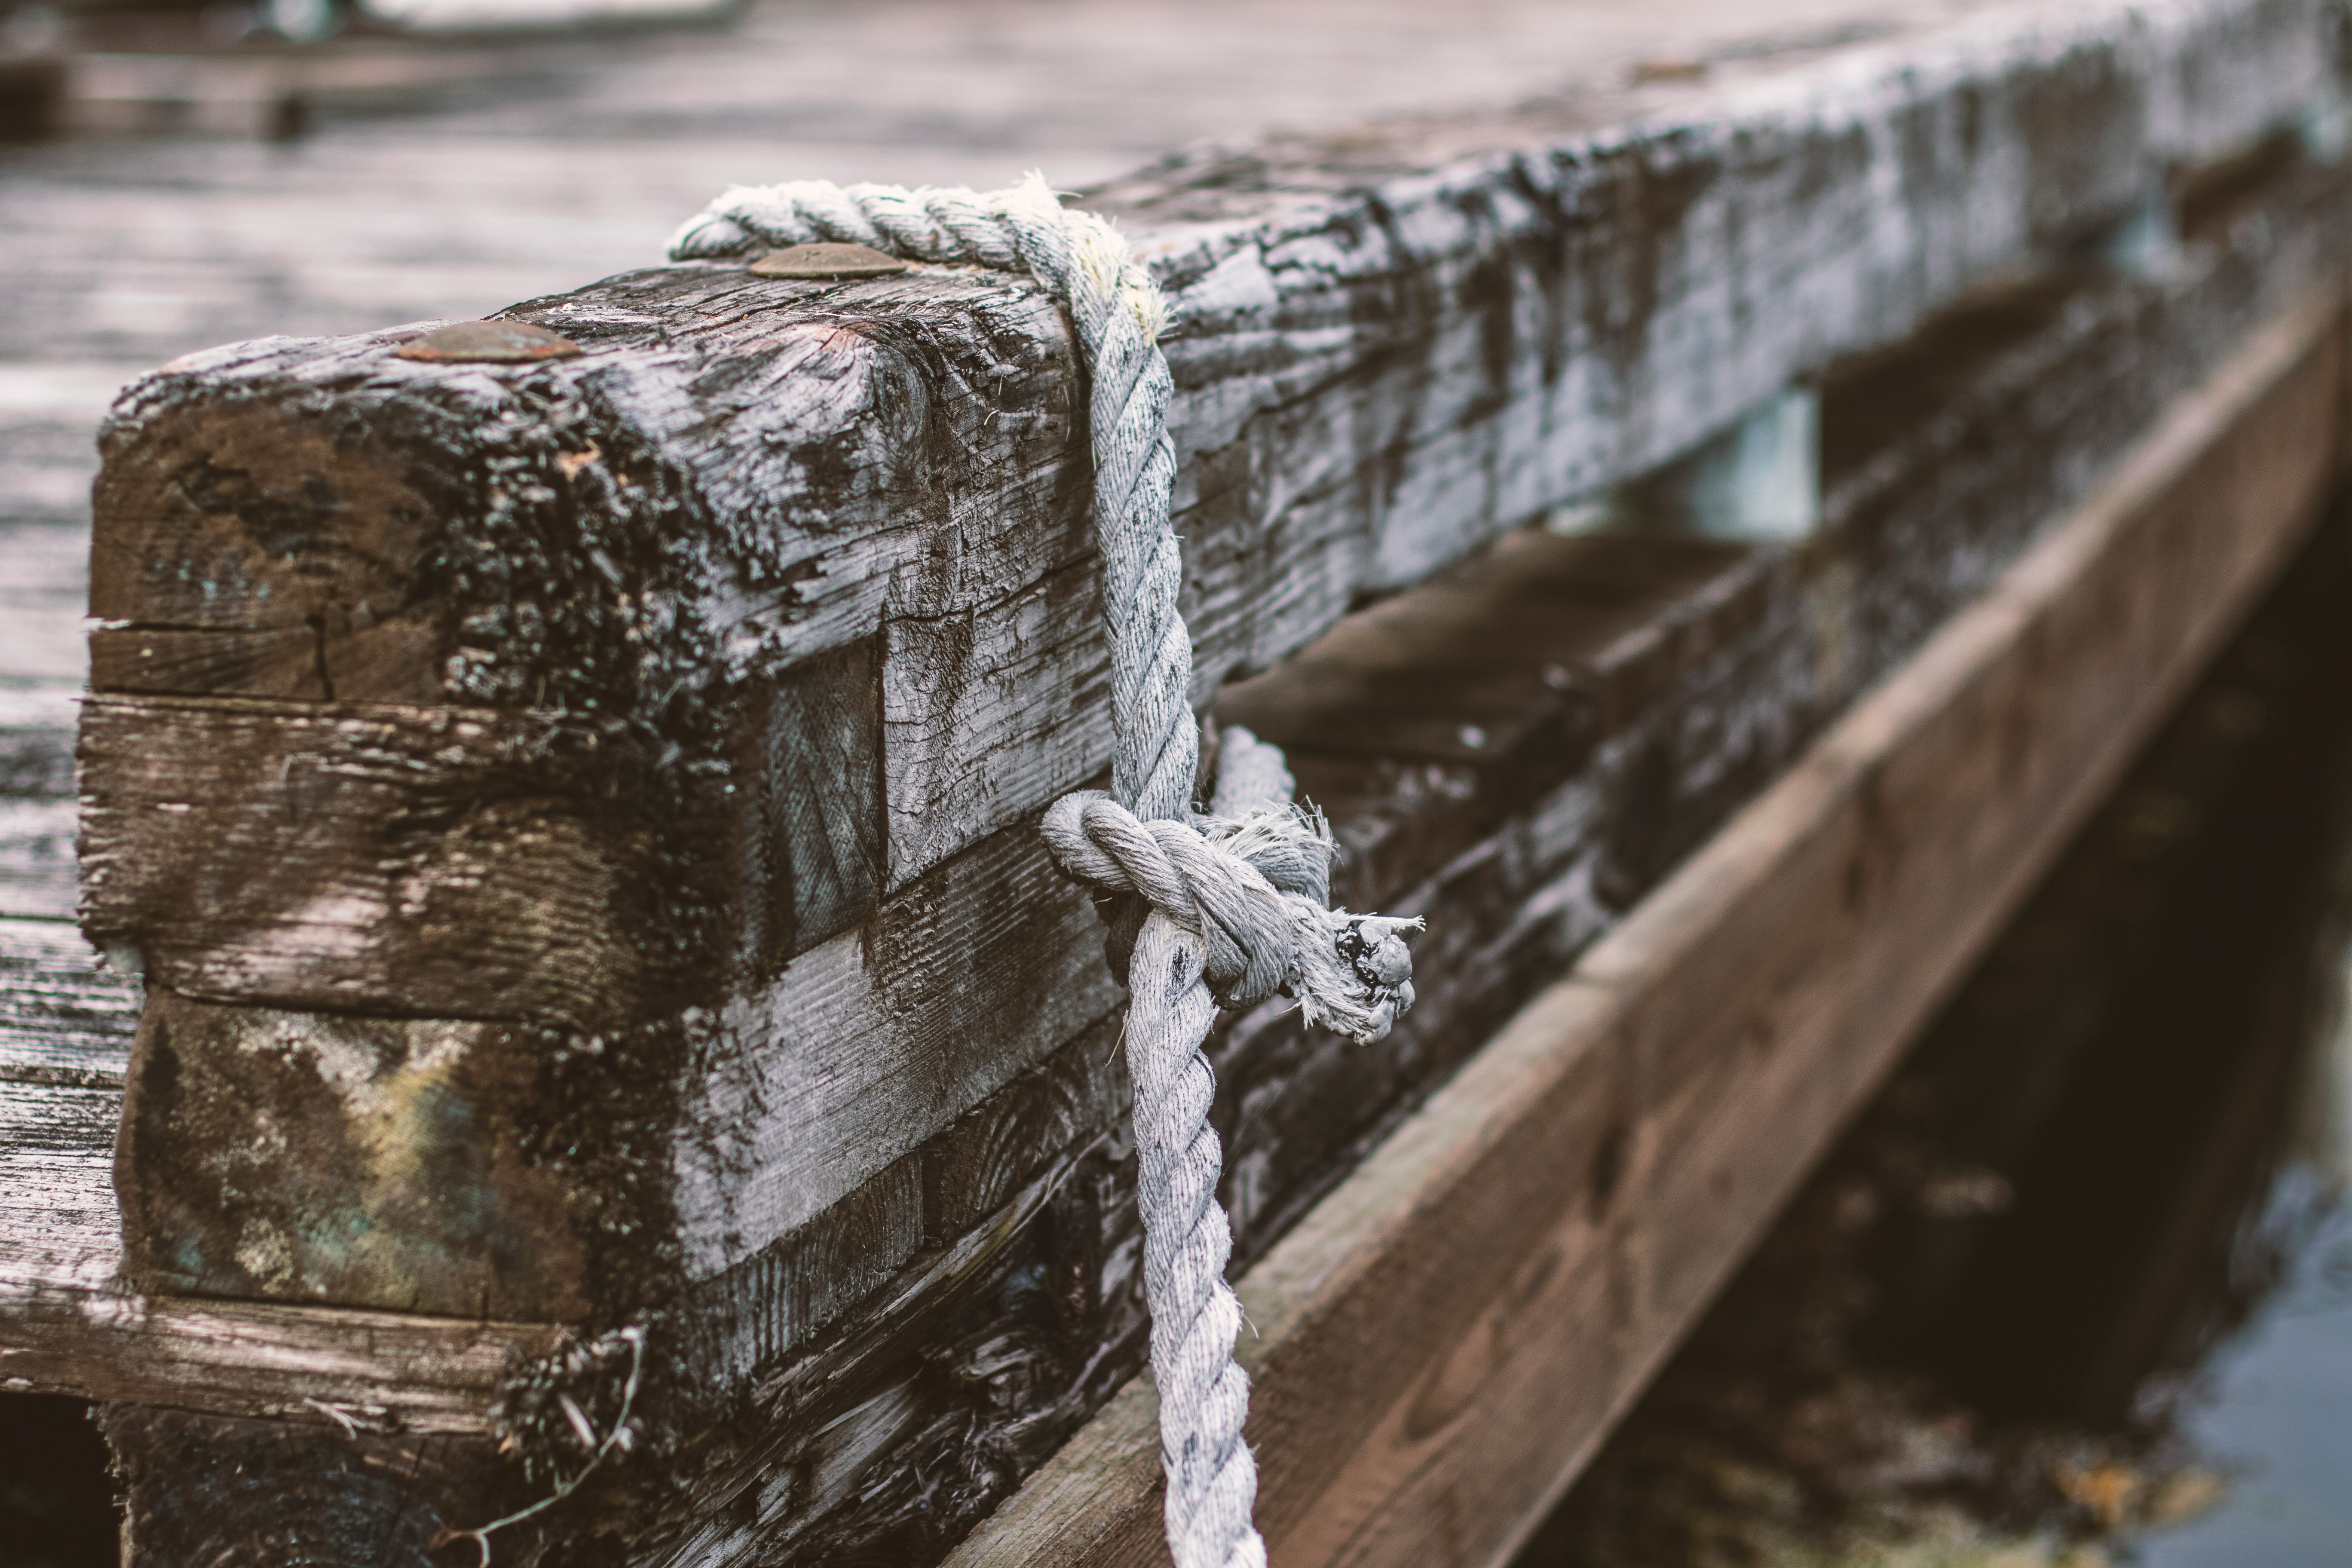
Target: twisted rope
1237,897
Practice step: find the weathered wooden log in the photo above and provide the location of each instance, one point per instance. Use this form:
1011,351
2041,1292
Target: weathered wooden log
1457,1325
663,526
582,813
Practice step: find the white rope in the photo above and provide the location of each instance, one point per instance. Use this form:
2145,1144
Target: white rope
1237,897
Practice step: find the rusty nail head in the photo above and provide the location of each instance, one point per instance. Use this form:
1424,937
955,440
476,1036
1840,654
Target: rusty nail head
828,260
488,342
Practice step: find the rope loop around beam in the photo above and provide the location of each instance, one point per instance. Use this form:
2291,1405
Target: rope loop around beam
1236,898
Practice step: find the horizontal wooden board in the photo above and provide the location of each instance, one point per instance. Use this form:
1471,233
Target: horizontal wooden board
1446,1337
435,861
67,1326
921,509
764,1233
1390,348
1629,691
37,733
65,1018
37,858
1708,694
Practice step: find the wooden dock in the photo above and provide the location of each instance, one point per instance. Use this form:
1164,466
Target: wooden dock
576,823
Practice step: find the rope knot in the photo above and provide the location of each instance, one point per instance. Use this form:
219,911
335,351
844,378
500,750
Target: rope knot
1253,889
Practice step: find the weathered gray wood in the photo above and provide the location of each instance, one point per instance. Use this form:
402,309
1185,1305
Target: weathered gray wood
1733,673
879,1039
1372,383
821,840
1446,1337
1367,410
42,598
37,730
884,1109
754,488
427,860
178,554
63,1017
37,858
364,601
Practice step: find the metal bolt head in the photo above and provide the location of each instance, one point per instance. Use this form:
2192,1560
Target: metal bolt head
488,342
828,260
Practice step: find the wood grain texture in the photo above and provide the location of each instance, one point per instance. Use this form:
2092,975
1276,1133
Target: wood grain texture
879,1039
780,1134
1395,350
37,728
1390,349
742,479
1444,1338
435,861
63,1018
1711,670
665,544
1694,669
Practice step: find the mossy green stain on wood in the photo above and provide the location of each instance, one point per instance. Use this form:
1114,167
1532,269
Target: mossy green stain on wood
383,1160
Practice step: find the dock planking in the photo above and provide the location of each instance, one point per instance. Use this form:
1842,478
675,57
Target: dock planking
935,1277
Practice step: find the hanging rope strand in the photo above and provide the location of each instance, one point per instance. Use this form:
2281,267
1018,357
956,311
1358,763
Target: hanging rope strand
1238,899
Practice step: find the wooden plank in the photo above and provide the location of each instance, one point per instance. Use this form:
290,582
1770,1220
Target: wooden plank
1443,1340
37,858
36,735
1378,373
63,1018
761,473
808,1239
892,1057
768,475
438,860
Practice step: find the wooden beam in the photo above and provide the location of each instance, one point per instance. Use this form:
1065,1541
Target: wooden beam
772,556
861,1333
1446,1337
1389,350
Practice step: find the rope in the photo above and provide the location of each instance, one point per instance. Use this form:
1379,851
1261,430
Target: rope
1236,898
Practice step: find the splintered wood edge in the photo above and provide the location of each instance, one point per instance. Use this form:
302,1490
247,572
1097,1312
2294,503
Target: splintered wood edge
1344,1296
329,1366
